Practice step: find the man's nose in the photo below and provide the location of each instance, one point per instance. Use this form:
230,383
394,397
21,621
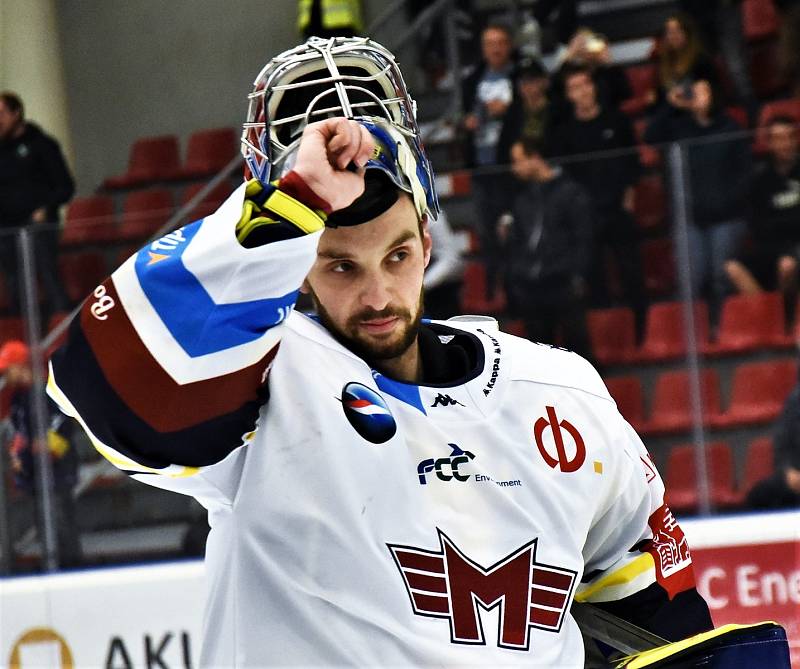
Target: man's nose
375,291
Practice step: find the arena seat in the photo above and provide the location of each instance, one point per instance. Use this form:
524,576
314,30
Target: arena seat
643,79
473,291
671,410
665,334
648,155
627,393
759,464
151,159
12,327
658,266
650,202
765,69
515,327
89,220
612,334
144,212
81,273
759,19
209,203
751,322
681,477
758,392
207,152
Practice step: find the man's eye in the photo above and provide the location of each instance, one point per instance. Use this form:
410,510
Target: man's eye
398,255
342,267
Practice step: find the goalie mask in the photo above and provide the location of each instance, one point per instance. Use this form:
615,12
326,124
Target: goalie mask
352,77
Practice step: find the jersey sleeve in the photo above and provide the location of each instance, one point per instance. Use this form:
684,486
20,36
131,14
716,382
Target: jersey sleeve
637,560
166,363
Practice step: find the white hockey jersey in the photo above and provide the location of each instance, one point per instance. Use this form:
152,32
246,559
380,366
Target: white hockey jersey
358,520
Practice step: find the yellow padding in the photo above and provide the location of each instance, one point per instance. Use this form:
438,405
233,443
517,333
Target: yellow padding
649,657
295,212
621,576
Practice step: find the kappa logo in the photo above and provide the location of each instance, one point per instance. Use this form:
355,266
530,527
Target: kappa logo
446,468
447,584
445,401
368,413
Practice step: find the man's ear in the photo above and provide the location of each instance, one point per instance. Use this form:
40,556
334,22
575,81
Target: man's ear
427,241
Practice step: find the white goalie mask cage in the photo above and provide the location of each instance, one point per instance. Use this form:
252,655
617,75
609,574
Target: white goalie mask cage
353,77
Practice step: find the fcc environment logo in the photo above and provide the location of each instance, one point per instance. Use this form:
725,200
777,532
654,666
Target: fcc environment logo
367,412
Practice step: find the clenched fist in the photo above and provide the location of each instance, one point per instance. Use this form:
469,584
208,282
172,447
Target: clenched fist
326,150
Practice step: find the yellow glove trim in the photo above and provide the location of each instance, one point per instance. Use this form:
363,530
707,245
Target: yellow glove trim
295,212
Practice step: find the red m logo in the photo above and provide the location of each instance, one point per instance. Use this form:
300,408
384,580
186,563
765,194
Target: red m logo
447,584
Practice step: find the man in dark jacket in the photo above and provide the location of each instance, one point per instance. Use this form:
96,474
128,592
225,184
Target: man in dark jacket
782,489
771,261
597,144
488,94
34,183
548,243
718,157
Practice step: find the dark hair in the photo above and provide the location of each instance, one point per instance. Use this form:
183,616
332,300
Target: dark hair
532,68
13,102
782,119
497,24
573,69
672,67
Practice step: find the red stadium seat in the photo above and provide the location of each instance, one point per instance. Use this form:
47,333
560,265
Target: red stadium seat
648,156
81,273
612,333
770,110
765,70
658,266
211,201
650,202
671,411
208,151
627,393
89,220
473,292
515,327
759,19
12,328
664,332
759,464
643,80
738,114
681,477
758,392
751,322
151,159
144,212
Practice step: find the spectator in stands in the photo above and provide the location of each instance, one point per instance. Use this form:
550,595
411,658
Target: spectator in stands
329,18
721,25
445,272
591,50
609,177
488,94
17,375
718,172
782,489
547,238
34,183
772,260
682,60
531,114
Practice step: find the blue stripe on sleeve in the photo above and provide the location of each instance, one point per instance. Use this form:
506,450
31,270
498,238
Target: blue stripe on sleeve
196,322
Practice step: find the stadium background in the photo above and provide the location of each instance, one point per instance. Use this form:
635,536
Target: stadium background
101,75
